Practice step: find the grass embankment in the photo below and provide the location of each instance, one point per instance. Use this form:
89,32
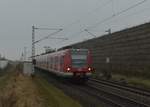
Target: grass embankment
18,90
5,74
131,78
53,96
3,81
5,78
135,81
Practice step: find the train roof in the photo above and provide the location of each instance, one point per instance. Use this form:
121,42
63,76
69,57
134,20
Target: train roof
60,52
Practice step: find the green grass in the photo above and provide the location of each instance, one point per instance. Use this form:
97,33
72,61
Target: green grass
5,74
54,97
2,82
135,81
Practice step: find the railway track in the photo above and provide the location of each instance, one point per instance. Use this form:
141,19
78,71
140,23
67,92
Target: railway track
72,90
108,97
137,97
96,93
136,90
101,96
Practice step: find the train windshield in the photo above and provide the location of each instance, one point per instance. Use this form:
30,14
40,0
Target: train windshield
79,58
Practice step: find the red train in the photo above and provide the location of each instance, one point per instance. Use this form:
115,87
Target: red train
68,63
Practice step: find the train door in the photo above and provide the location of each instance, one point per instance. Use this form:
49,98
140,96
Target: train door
48,62
52,63
61,63
58,63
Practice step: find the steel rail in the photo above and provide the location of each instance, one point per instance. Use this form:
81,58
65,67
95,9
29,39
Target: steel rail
107,88
87,89
123,87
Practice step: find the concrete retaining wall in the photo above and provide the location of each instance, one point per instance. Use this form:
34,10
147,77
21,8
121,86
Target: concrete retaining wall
3,64
127,50
27,68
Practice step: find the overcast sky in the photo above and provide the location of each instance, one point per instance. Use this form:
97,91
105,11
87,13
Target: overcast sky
73,16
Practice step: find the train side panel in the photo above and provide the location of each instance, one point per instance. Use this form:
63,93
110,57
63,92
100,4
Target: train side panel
67,64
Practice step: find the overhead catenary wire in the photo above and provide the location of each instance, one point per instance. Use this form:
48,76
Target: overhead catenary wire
77,33
79,20
46,37
116,14
140,12
54,29
88,13
90,33
109,18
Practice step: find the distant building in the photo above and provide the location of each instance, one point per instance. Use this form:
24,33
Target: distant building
3,63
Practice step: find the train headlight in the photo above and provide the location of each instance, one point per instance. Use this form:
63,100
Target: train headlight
89,69
68,69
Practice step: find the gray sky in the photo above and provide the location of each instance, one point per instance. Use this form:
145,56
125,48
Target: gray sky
17,17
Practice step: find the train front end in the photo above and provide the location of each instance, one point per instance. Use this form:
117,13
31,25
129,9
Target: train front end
80,64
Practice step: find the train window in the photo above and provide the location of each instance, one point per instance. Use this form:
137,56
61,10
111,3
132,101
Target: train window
56,59
61,60
49,62
79,58
79,51
52,60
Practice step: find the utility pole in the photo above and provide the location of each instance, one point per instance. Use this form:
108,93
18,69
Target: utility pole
33,47
34,42
109,57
